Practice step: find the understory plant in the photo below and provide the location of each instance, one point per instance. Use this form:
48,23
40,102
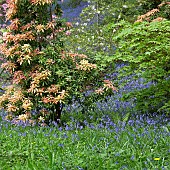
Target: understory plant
44,76
144,47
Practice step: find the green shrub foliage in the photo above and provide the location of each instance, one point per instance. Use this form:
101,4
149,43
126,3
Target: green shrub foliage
145,47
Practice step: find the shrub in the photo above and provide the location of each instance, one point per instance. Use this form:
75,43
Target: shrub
144,46
45,76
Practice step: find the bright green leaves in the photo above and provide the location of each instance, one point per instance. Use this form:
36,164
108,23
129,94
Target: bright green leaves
146,48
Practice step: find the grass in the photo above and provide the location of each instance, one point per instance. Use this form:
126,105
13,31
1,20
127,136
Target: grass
101,145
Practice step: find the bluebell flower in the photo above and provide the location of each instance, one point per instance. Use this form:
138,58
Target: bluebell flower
67,128
61,145
60,128
64,135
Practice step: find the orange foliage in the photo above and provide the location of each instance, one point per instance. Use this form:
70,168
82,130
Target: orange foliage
146,17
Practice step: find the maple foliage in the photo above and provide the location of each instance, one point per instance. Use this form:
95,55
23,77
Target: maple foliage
144,45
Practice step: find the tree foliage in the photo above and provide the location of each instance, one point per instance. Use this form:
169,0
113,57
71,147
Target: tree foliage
144,46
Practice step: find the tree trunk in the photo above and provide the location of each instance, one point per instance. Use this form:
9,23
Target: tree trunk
56,115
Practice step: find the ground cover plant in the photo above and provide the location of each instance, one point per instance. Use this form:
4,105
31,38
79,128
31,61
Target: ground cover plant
102,145
112,134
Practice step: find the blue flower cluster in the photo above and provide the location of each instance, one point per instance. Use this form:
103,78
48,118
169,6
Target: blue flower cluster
72,13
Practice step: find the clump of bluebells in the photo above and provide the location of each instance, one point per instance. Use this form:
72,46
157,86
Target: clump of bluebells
136,144
3,8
